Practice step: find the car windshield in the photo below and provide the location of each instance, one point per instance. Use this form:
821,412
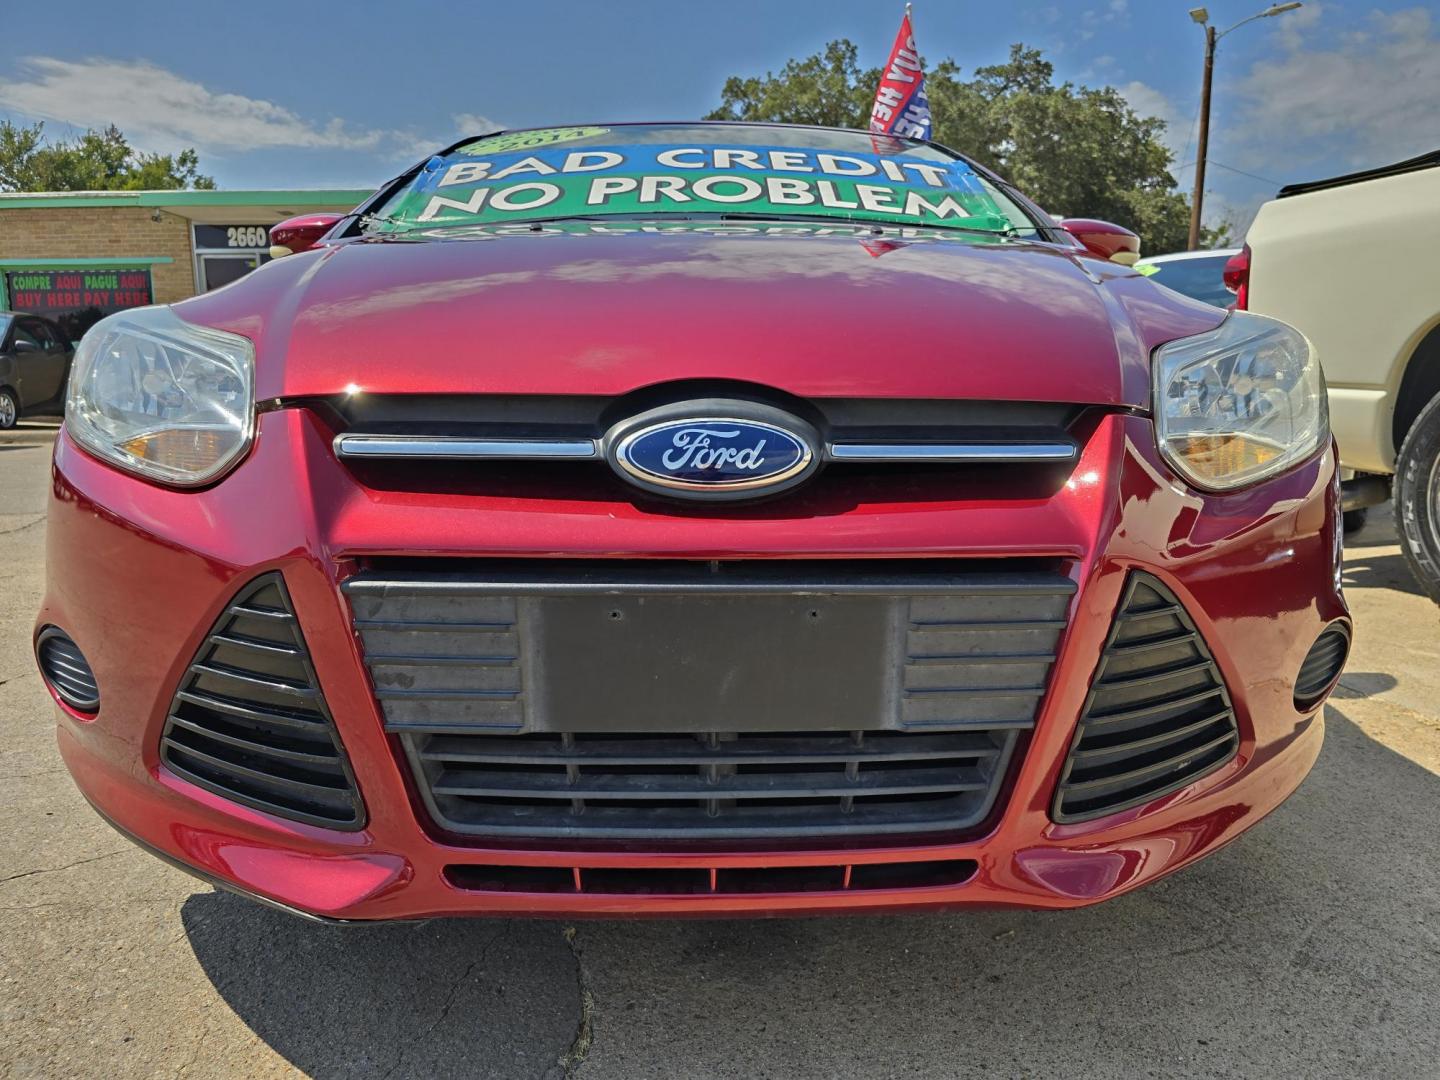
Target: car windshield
698,171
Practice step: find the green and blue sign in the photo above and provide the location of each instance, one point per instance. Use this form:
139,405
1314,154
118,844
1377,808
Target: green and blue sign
492,182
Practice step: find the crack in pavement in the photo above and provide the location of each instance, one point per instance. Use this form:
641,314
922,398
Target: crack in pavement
579,1048
67,866
447,1006
194,1054
29,775
21,528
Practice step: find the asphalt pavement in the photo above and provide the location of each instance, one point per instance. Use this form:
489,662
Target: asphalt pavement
1309,947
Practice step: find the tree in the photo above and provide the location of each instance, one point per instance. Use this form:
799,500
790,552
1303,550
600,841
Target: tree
94,161
1075,150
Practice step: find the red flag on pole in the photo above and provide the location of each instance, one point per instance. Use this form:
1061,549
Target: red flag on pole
901,107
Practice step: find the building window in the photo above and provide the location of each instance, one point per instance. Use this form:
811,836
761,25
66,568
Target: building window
226,253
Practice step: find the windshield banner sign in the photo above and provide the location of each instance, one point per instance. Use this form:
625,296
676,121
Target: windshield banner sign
555,182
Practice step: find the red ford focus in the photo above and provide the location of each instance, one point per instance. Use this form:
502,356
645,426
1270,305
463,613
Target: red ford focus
690,519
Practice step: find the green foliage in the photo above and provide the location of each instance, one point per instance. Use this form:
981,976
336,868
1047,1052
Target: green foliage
94,161
828,89
1077,151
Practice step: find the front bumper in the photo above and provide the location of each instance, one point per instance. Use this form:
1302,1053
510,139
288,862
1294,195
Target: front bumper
138,575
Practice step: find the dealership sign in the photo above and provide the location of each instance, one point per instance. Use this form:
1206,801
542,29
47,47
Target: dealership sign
899,183
58,292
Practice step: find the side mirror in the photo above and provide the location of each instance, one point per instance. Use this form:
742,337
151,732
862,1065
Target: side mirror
1104,240
302,233
23,346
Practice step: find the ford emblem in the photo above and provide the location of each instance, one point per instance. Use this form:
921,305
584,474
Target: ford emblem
714,450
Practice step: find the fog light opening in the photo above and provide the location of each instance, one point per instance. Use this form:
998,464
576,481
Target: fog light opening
66,671
1322,666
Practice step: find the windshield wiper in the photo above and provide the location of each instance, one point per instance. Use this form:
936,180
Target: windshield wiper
878,228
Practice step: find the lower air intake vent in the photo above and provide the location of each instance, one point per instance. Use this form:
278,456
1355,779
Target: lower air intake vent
719,701
66,670
1158,716
1322,666
249,722
715,785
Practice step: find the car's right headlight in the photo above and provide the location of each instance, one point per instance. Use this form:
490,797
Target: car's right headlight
1239,403
161,397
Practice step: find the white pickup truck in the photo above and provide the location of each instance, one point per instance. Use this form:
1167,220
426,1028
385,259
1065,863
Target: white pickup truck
1354,263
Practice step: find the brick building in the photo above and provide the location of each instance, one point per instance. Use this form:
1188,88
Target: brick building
75,256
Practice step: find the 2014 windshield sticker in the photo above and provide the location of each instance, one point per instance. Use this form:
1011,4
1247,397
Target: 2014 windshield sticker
555,183
526,140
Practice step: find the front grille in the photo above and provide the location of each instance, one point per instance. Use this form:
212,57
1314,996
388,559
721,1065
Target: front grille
249,721
1158,716
710,700
874,450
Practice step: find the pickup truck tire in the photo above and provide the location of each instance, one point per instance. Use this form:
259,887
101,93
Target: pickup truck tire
1417,498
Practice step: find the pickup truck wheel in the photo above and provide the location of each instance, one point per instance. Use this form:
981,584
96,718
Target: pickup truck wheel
1417,498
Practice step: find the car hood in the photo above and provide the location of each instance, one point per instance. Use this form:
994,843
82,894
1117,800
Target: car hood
815,316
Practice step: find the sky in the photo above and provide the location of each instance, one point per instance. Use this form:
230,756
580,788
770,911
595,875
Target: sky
320,94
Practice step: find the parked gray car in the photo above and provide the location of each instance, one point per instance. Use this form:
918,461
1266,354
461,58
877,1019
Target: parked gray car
35,360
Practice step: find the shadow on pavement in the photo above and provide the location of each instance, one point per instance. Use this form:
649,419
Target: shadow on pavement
1387,570
1308,947
1363,684
455,997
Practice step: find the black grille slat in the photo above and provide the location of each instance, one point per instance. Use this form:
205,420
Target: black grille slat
261,644
1152,708
253,790
1158,716
837,749
249,722
1124,781
251,745
963,654
254,680
1131,747
638,785
254,711
268,776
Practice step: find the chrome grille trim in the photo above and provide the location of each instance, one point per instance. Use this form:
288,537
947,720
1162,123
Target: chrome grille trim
458,448
952,453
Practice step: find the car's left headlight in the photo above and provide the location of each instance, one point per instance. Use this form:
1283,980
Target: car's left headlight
1239,403
161,397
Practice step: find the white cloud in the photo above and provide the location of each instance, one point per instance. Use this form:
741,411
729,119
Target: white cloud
474,124
1367,98
1295,26
160,110
1147,101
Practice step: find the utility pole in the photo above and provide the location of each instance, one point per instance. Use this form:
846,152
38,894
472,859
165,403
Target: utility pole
1202,16
1202,149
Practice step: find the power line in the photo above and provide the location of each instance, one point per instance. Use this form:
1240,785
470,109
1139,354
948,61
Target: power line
1231,168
